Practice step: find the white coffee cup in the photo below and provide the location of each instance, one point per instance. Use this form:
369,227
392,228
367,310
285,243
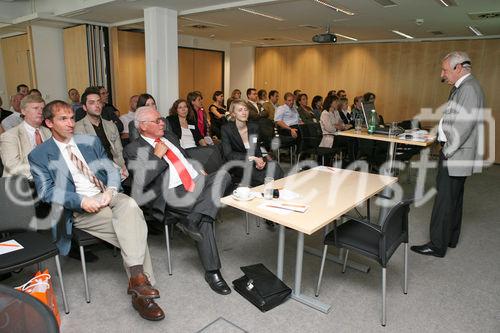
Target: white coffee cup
242,193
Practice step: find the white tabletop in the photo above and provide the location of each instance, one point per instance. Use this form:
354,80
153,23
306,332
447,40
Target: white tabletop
363,134
329,193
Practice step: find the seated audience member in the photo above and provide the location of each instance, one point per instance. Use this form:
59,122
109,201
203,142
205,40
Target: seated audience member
181,123
344,113
19,141
317,106
15,118
74,97
287,118
143,100
108,111
74,171
3,113
236,94
217,112
174,184
256,111
305,112
330,121
341,94
22,89
35,92
195,105
272,104
262,96
331,92
369,104
105,130
129,117
357,109
296,94
240,142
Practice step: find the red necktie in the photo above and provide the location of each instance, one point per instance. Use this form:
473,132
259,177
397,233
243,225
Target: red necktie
184,175
38,137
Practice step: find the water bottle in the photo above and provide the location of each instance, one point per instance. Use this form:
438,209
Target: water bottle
372,123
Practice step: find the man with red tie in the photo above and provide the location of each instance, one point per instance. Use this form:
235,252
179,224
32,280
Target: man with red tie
17,142
164,180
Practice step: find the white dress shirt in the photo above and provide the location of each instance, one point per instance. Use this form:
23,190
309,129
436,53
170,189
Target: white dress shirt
12,121
187,139
126,119
30,130
83,184
441,134
174,178
288,115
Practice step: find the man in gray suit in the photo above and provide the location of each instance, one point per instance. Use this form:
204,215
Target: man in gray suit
461,153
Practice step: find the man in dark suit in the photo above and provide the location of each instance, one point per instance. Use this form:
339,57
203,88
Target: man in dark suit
73,171
459,136
164,180
255,109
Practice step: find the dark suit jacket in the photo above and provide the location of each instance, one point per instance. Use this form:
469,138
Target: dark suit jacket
346,119
54,183
254,113
149,174
233,146
174,126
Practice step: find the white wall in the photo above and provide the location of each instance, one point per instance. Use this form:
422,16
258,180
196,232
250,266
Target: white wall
211,44
3,85
48,49
242,69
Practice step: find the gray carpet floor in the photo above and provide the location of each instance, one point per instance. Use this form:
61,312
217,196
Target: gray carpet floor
458,293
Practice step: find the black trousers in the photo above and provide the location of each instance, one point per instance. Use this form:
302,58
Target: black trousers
446,219
206,203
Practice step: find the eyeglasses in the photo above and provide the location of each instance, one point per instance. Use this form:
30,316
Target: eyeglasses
157,121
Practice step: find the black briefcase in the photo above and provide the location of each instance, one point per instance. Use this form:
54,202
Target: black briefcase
261,287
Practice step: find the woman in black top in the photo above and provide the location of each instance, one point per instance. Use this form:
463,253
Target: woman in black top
217,112
181,122
240,142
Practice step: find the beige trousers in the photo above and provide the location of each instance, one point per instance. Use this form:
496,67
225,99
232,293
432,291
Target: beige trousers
121,224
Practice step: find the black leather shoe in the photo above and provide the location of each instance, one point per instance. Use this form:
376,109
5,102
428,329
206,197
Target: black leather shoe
217,283
426,250
191,231
89,256
452,245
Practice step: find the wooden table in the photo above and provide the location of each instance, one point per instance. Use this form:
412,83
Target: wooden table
393,141
329,193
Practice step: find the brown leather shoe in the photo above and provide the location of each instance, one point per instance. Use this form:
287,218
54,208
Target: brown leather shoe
140,286
147,308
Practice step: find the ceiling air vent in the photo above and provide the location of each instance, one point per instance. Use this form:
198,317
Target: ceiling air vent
484,16
200,26
269,39
386,3
308,26
437,33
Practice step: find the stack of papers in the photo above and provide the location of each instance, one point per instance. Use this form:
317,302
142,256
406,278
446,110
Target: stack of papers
294,207
10,246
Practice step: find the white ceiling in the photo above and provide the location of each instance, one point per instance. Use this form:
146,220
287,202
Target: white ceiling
223,20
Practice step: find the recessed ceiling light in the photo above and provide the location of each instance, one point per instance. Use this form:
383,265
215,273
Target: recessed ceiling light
402,34
475,30
346,37
338,9
447,3
251,11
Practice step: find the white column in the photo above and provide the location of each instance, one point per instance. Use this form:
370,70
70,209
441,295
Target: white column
162,64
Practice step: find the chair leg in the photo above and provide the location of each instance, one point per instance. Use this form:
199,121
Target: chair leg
323,258
383,295
345,261
278,156
115,251
257,221
59,273
405,282
247,225
84,270
169,259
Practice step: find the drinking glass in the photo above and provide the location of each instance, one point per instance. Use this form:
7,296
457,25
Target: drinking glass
268,188
358,124
393,129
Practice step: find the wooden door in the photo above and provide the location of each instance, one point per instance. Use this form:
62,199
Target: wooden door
17,62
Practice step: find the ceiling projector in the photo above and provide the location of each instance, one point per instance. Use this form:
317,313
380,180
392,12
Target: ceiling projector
324,38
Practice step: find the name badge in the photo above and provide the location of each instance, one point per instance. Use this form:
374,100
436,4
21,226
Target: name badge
191,127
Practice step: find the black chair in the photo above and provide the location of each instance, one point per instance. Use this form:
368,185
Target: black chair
20,312
378,242
311,135
283,140
19,223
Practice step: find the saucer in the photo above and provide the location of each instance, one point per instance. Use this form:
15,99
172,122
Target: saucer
250,197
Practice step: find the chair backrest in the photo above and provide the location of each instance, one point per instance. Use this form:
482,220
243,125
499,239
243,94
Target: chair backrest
408,124
310,136
395,228
266,132
17,205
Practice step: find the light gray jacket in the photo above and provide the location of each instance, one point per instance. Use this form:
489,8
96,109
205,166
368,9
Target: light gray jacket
462,125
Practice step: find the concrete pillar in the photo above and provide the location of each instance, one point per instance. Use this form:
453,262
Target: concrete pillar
162,64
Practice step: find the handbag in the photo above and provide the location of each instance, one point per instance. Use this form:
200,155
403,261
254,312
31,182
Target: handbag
40,287
261,287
